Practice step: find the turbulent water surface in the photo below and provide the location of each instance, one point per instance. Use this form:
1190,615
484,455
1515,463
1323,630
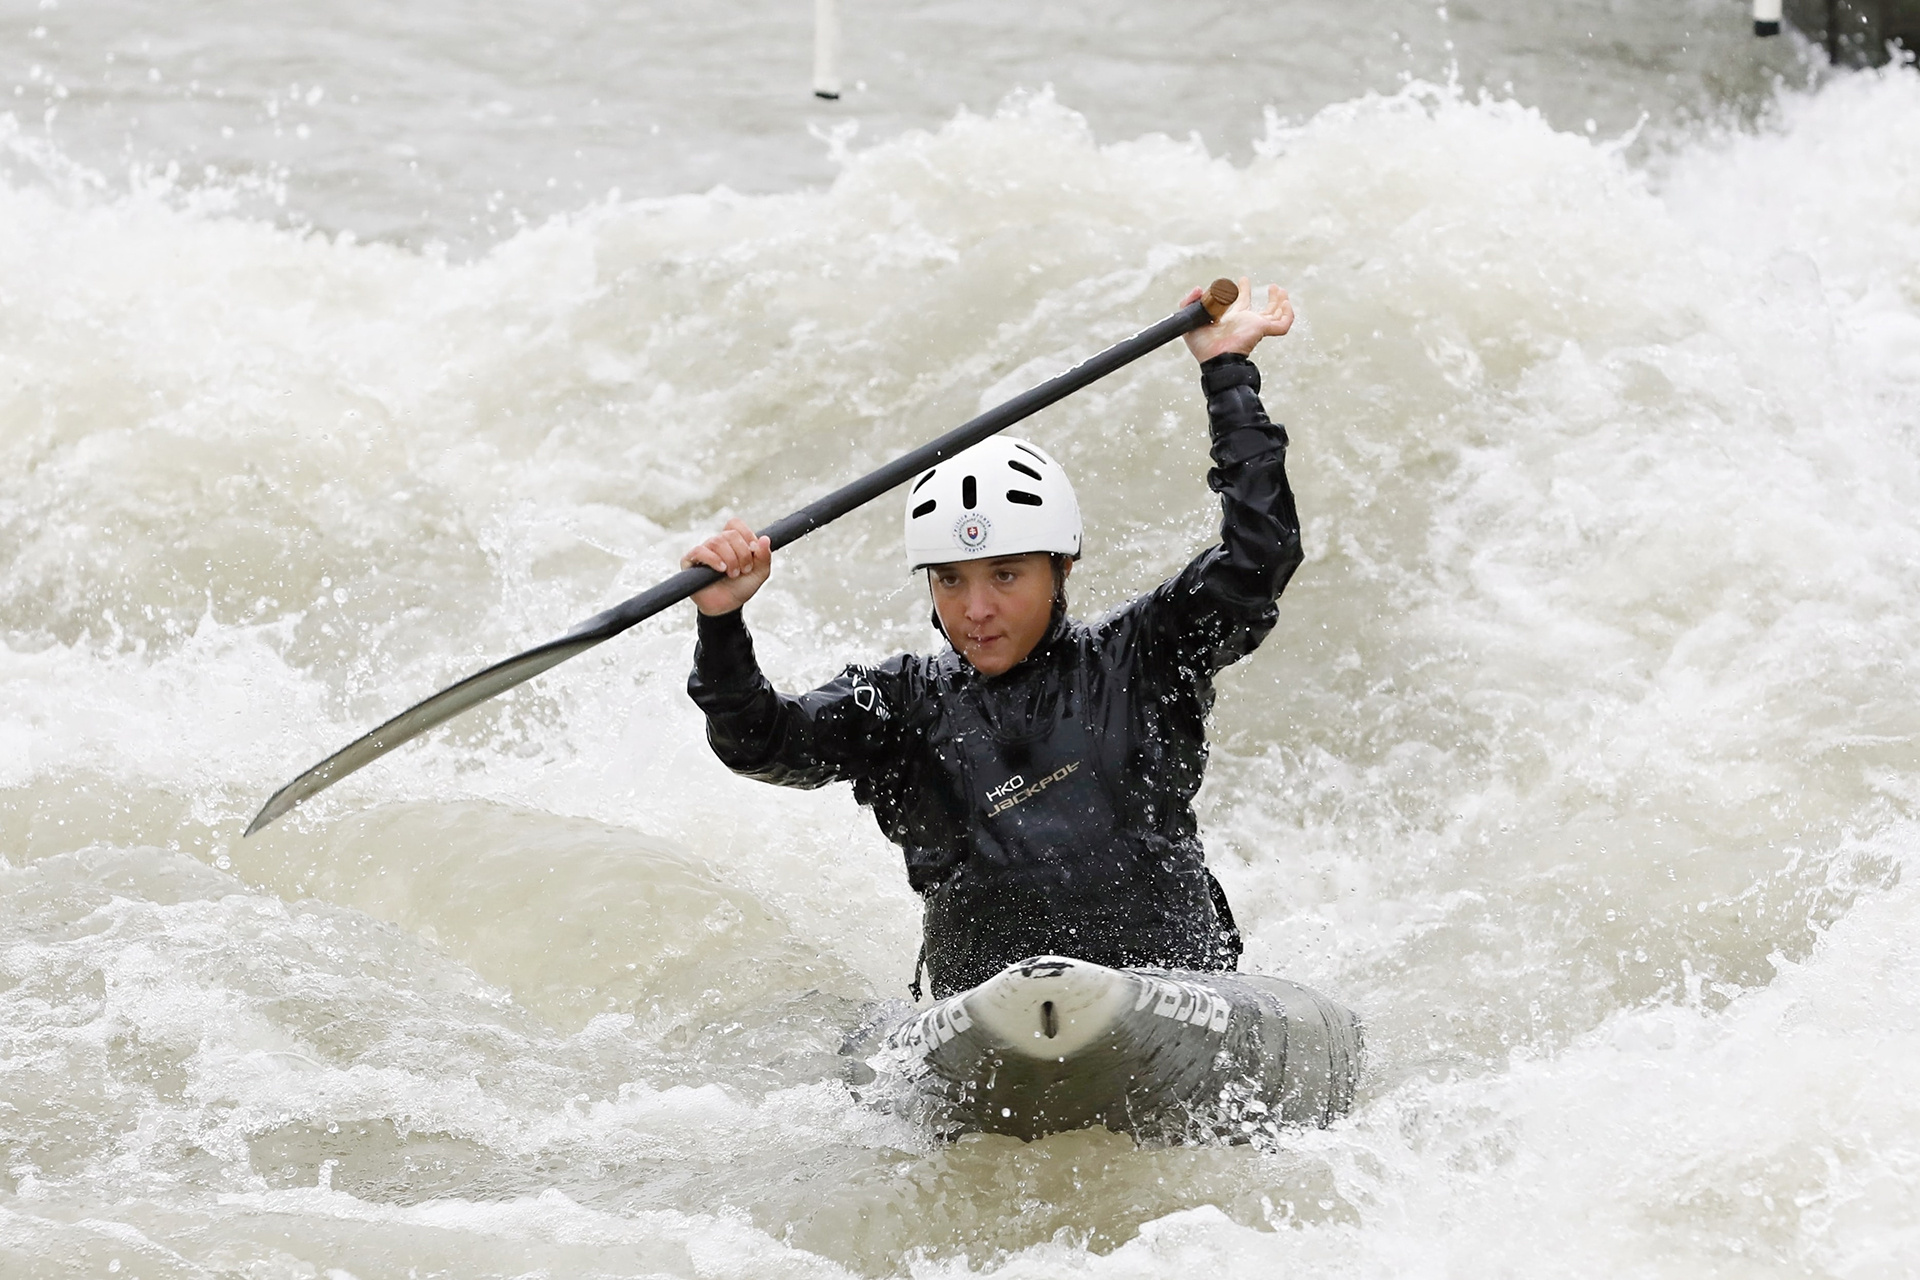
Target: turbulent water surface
1583,761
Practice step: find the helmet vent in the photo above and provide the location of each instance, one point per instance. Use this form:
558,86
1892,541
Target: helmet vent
1023,469
923,482
1024,498
969,494
924,508
1029,452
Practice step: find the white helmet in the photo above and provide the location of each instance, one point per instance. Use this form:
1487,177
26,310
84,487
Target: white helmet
1003,497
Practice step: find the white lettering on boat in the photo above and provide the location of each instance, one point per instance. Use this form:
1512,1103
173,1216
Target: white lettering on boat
937,1025
1184,1002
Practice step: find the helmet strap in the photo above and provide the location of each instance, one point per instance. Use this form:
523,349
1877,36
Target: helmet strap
933,609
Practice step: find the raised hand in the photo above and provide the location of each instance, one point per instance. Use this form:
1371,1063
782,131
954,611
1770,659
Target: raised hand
1243,325
746,560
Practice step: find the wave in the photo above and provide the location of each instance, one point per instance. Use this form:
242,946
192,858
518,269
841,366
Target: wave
1582,759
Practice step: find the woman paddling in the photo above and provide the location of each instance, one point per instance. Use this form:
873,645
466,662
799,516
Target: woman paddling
1038,775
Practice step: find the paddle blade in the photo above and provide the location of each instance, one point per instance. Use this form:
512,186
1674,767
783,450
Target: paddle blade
417,719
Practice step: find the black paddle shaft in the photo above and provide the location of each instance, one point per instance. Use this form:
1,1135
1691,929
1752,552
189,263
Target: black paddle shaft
500,677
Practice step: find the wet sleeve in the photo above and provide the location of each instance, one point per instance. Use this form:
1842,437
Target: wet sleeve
841,731
1222,605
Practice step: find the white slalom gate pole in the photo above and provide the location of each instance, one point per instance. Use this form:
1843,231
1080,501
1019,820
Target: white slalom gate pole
1766,17
826,48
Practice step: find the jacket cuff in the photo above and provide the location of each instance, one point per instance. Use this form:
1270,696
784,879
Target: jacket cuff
724,652
1224,372
1236,420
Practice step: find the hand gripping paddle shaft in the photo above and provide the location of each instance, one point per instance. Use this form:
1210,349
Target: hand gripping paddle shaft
500,677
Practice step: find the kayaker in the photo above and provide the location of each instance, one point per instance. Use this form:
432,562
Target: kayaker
1039,774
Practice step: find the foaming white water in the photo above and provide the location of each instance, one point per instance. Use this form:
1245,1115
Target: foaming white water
1582,759
458,121
1765,1139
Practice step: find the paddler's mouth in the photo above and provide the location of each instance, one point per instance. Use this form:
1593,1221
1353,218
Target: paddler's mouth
985,649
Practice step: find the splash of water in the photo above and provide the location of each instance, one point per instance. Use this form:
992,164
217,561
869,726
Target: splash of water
1582,759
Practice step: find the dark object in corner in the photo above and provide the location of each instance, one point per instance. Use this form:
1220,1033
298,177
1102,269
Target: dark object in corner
1857,32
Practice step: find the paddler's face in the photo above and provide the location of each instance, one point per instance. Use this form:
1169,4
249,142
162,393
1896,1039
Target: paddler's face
995,611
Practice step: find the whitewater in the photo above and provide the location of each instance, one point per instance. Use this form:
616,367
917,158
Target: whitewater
1582,762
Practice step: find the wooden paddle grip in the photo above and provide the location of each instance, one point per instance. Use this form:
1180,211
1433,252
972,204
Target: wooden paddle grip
1219,296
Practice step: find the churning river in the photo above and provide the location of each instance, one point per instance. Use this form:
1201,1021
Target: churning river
345,348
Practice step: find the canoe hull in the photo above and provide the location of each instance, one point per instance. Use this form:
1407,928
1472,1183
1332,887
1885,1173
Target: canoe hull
1052,1044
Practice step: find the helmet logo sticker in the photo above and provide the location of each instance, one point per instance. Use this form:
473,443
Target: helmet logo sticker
971,530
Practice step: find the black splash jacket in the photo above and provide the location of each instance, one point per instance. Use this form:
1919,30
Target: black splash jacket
1048,809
